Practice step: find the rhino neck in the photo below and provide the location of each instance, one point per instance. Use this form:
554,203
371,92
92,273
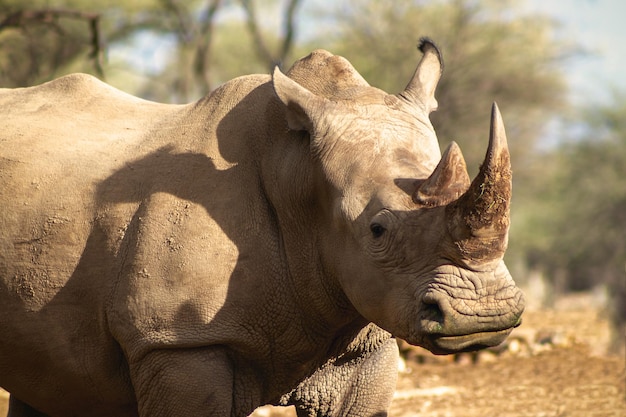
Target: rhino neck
325,322
274,162
298,203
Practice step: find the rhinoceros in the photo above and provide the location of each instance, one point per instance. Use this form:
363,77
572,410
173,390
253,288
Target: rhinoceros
262,245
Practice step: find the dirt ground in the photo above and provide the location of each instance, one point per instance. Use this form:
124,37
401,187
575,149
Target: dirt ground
556,364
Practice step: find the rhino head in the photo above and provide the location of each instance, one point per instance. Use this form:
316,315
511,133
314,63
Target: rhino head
416,247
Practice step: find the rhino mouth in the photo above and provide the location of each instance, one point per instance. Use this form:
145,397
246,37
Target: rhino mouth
443,344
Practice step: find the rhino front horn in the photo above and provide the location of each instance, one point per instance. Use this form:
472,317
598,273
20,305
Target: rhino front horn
479,220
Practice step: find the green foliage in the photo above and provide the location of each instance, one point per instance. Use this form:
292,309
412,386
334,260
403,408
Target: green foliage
232,55
44,39
35,45
578,212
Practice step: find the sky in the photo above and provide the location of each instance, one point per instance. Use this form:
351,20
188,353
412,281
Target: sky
600,27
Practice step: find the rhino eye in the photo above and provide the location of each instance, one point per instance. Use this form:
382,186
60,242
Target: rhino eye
377,230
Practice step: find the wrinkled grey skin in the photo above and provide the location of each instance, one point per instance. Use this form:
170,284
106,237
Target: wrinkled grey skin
206,259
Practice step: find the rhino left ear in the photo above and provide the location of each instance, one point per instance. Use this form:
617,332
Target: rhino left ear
303,107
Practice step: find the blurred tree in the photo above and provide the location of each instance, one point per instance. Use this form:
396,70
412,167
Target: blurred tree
194,30
573,222
35,41
586,206
192,73
42,39
491,54
286,39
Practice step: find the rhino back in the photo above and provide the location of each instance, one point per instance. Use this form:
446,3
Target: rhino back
58,142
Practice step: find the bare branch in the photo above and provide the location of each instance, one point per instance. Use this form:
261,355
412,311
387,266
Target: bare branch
257,37
207,22
289,35
185,27
96,45
203,50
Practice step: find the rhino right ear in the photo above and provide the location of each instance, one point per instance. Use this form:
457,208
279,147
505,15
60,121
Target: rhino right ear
303,107
421,88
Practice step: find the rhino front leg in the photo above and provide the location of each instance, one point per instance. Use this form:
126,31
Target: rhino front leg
186,382
351,387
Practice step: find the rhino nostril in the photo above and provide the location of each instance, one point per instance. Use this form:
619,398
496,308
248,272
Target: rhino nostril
433,312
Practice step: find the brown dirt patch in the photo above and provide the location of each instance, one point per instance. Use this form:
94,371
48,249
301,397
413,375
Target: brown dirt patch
565,381
560,382
555,365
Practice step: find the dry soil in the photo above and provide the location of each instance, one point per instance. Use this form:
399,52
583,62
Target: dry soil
556,364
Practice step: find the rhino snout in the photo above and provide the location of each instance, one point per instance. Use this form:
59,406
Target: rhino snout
451,324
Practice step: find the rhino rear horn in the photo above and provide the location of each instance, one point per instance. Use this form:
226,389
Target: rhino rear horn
448,181
421,89
479,220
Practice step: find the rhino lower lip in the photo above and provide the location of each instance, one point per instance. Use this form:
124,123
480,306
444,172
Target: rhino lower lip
474,341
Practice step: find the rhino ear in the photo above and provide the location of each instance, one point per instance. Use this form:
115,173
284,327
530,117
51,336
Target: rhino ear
303,107
421,89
